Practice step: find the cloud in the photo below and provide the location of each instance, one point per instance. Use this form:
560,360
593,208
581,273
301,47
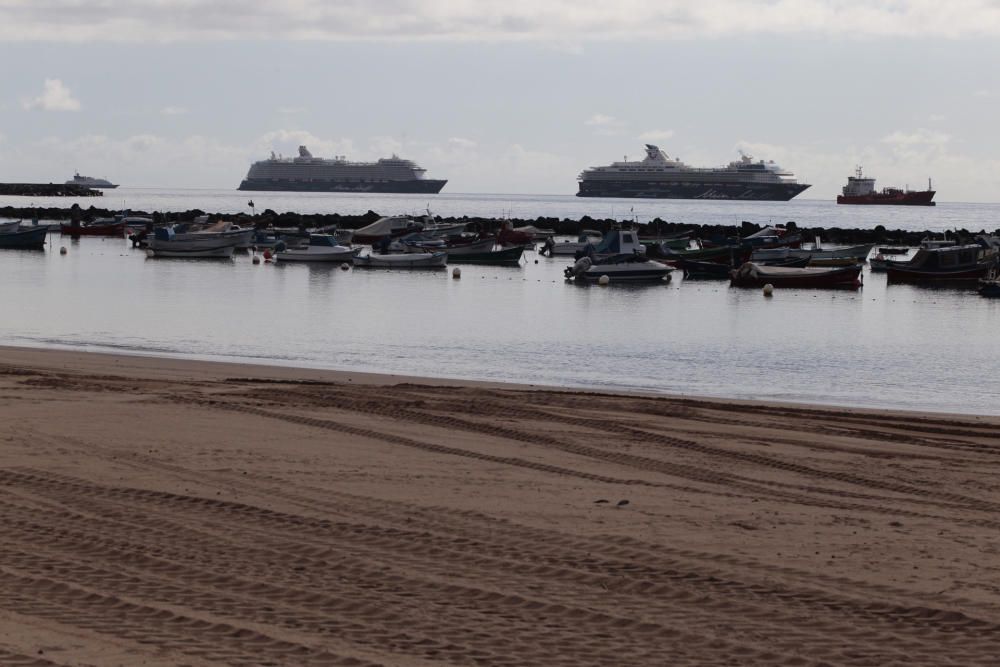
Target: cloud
917,138
173,111
656,135
290,111
554,22
605,125
55,97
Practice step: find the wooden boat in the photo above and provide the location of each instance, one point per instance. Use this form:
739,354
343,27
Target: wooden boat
392,226
852,254
7,227
756,275
321,248
729,255
502,256
165,242
28,239
693,269
99,227
403,260
945,264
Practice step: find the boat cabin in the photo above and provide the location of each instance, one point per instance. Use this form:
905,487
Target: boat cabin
619,242
951,258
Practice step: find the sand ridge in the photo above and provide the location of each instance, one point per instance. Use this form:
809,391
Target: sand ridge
162,512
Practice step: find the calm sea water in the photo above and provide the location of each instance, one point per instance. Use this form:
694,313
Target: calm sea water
884,346
806,212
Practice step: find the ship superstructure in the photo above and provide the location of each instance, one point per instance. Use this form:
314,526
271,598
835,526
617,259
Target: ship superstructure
90,182
314,174
658,176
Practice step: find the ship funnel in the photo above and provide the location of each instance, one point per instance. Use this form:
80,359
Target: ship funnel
304,152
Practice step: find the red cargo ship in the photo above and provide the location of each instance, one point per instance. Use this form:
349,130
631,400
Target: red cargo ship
860,190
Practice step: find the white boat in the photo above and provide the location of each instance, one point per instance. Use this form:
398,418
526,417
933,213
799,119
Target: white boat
553,248
165,242
321,248
405,260
620,257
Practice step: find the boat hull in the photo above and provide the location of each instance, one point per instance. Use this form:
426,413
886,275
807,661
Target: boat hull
302,255
29,239
504,256
693,190
922,198
165,251
839,278
403,261
116,229
421,186
896,273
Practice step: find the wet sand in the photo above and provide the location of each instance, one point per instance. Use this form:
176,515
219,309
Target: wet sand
165,512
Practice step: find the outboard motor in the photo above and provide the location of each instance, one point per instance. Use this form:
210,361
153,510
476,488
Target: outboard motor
579,268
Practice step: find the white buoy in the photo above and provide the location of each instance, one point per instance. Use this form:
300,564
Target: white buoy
344,266
768,289
256,259
62,250
456,273
603,280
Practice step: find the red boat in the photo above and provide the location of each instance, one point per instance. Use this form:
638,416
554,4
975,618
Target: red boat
952,264
95,228
758,275
860,190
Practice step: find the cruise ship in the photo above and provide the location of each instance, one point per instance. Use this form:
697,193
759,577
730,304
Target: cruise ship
90,182
660,177
313,174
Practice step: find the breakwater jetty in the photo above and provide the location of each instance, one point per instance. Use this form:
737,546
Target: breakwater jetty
48,190
565,226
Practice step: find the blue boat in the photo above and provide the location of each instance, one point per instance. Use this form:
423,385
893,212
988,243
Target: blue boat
27,239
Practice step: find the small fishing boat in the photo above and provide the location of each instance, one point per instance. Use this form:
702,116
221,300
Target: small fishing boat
165,242
99,227
7,227
945,264
403,260
851,254
500,256
620,257
570,248
757,275
321,248
27,239
728,255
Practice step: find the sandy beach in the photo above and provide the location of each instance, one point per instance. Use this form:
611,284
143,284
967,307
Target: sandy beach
167,512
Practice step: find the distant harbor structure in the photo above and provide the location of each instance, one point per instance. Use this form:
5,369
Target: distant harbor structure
861,190
306,173
660,177
91,182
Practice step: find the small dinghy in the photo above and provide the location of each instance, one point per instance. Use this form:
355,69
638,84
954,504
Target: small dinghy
27,239
403,260
751,274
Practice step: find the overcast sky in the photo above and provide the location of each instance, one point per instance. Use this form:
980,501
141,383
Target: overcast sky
511,97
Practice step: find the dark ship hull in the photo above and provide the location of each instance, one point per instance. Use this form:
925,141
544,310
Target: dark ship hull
898,198
422,186
693,190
